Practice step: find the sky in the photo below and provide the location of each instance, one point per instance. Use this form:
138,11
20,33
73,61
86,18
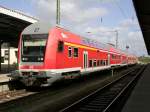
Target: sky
96,19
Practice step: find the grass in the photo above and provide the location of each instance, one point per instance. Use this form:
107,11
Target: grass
143,59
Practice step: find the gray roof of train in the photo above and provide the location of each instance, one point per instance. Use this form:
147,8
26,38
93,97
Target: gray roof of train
38,28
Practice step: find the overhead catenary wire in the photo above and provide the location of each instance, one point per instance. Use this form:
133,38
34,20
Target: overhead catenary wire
124,14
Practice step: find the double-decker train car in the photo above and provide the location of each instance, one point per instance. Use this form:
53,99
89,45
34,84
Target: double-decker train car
49,53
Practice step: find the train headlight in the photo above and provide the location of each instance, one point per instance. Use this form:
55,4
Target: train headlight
24,59
40,59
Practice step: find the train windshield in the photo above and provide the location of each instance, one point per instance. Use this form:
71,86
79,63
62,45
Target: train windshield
33,47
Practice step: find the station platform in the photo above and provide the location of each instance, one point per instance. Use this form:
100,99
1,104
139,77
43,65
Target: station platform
4,78
139,100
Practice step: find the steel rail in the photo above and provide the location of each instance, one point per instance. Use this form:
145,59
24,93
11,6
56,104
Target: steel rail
89,97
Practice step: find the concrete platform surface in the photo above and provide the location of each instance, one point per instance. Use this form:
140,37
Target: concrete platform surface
139,101
4,78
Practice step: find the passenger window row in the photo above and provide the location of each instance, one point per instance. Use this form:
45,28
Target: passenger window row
116,56
96,63
73,52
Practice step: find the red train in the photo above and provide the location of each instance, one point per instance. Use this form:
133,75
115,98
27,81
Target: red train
49,53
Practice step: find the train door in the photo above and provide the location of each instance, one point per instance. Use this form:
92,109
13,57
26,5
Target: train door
108,58
85,59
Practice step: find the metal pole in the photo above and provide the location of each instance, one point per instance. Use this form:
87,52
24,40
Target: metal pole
58,12
116,38
0,55
8,58
112,72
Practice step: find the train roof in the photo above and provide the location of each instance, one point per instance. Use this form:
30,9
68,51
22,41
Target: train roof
38,28
44,27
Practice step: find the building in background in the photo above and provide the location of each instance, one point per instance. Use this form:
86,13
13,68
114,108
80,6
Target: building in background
9,59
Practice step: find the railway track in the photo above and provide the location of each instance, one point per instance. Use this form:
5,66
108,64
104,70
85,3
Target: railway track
56,97
105,98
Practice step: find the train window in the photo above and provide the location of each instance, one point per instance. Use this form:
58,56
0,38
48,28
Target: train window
69,52
113,56
97,62
101,62
90,63
117,57
106,62
60,46
75,52
94,63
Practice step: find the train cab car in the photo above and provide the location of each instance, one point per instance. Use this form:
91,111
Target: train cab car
48,53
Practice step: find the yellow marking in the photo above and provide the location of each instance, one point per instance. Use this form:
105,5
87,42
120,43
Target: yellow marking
80,46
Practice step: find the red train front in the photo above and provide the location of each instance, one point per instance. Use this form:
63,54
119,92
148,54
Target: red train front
47,54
